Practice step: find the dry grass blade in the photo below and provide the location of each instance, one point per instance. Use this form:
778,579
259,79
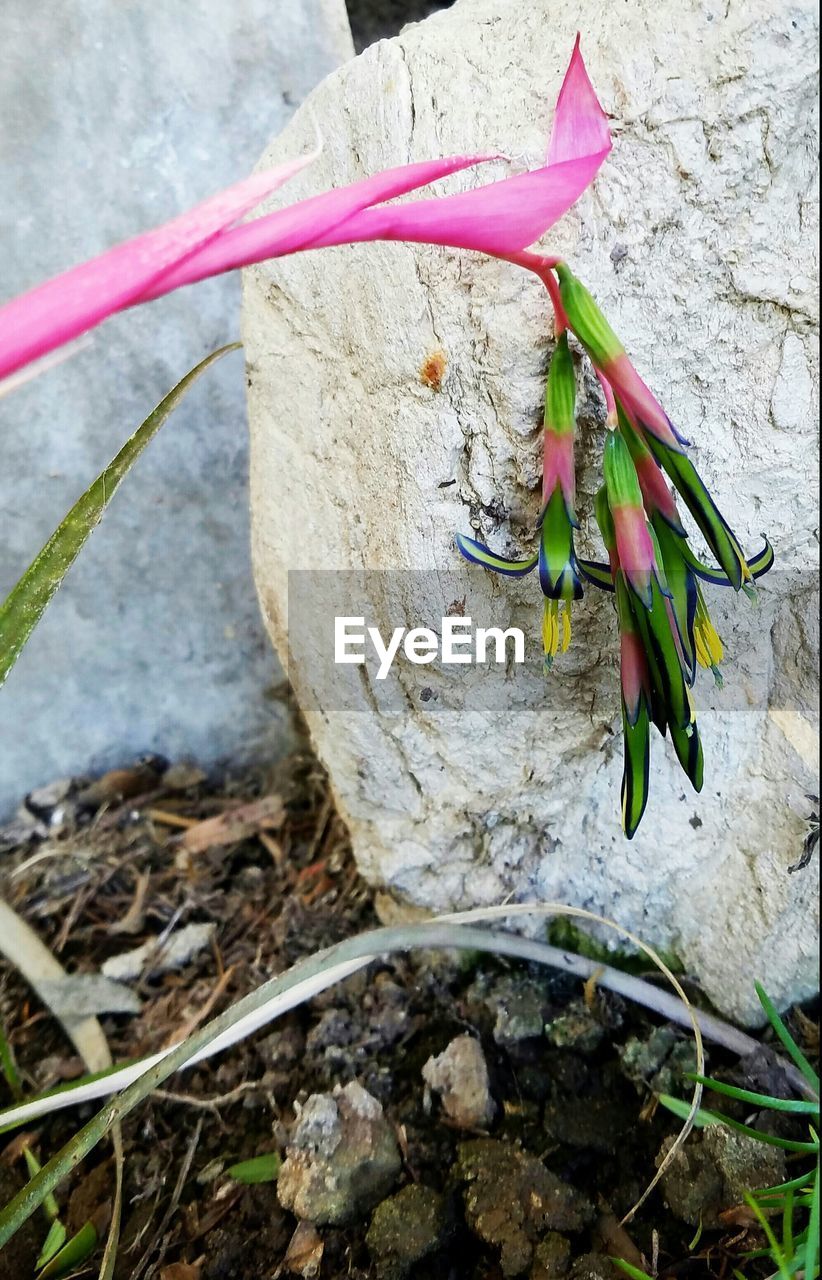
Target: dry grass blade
235,824
32,958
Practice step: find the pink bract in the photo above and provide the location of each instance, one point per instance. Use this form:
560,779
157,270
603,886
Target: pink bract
500,218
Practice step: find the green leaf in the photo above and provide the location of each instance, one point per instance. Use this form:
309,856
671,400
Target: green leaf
264,1168
787,1039
54,1241
26,602
630,1269
758,1099
78,1248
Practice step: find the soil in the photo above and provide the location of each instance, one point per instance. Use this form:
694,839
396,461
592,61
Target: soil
100,867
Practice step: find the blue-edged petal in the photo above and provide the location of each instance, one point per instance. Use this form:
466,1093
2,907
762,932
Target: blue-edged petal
558,572
636,768
598,573
688,747
758,565
478,553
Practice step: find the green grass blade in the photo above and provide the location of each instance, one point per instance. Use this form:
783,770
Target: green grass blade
630,1270
704,1117
803,1106
27,601
264,1168
8,1066
812,1241
787,1226
795,1184
67,1088
681,1109
75,1251
777,1255
54,1241
787,1039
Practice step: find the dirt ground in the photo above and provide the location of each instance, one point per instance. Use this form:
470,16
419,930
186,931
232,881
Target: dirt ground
554,1144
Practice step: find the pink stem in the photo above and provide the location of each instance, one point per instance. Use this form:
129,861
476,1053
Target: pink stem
607,391
543,266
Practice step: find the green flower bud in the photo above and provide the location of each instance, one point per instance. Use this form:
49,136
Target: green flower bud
604,519
561,389
621,480
587,321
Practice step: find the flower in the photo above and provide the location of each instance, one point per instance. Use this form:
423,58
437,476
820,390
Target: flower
665,629
499,218
652,677
504,217
634,546
558,570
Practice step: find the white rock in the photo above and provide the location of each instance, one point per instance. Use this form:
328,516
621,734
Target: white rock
698,240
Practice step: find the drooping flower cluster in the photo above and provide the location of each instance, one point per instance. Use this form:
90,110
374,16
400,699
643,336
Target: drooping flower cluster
665,629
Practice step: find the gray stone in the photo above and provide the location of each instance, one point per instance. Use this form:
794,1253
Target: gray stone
699,242
575,1028
116,117
343,1157
406,1227
714,1170
460,1076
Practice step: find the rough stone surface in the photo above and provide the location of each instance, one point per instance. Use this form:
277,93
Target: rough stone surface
575,1028
115,117
405,1228
551,1258
517,1004
460,1076
698,240
714,1170
511,1199
342,1158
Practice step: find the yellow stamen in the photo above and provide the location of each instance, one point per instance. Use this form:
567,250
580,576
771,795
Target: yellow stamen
709,650
556,629
550,632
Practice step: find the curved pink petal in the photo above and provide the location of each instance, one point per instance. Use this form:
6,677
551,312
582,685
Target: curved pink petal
300,225
580,125
504,217
500,218
643,405
55,312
